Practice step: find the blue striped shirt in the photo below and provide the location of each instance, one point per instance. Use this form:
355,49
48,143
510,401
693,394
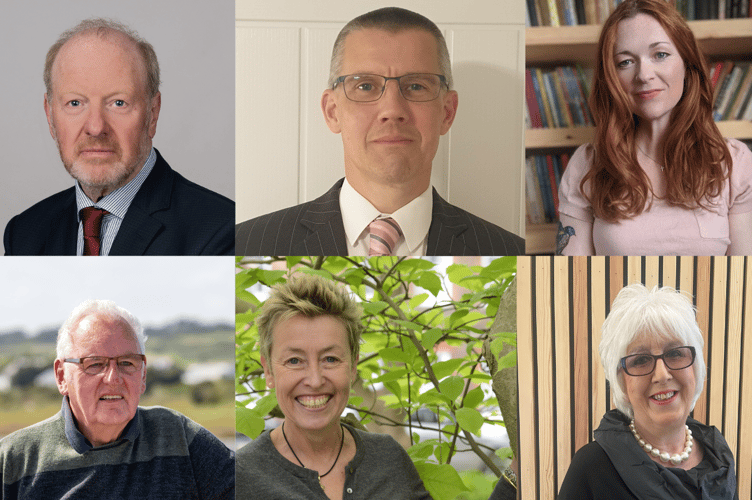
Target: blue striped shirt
116,203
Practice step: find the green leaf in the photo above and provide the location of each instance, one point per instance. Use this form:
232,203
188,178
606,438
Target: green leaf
420,451
474,398
408,265
394,388
469,419
418,300
504,453
293,261
355,401
497,345
270,278
456,272
456,316
451,387
508,360
265,404
395,354
391,375
409,325
441,480
431,282
441,452
444,368
430,337
374,307
432,397
247,422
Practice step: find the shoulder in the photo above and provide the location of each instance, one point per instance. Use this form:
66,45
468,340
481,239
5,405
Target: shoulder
489,238
591,475
169,426
190,194
38,448
579,163
43,212
741,158
31,437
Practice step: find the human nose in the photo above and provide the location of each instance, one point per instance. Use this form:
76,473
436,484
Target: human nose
111,371
96,123
314,376
661,371
645,71
393,104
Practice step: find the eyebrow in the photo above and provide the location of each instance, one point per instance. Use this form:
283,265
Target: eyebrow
296,350
651,46
640,349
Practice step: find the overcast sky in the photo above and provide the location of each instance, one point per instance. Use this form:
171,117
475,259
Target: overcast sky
40,292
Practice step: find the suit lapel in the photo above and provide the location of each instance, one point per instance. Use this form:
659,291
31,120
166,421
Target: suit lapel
139,228
321,226
446,235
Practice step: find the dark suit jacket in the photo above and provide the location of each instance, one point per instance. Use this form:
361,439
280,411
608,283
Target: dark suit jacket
169,215
316,228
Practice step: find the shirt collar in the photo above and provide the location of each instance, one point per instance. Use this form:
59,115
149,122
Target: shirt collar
357,212
79,443
118,201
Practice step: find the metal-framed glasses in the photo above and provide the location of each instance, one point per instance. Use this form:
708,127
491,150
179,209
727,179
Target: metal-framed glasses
94,365
416,87
675,358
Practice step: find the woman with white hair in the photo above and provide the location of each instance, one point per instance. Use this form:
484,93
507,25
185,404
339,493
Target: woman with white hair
649,447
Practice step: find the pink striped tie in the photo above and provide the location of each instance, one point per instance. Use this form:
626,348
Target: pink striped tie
384,235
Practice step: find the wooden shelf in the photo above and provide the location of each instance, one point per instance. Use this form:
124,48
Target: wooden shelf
728,38
540,238
571,137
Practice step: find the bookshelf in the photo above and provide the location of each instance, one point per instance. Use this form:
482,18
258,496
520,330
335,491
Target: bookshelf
546,45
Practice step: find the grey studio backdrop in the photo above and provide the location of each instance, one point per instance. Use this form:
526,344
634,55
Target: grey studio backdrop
195,45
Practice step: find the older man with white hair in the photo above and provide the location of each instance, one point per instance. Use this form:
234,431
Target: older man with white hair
102,444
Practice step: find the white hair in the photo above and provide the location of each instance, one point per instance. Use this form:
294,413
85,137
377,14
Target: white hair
662,314
106,308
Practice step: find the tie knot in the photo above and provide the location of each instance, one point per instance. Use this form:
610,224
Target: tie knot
91,217
384,235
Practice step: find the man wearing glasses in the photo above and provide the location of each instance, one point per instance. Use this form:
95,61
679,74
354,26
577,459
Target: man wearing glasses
102,444
390,97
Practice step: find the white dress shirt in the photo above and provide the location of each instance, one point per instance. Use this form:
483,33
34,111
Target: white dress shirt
414,219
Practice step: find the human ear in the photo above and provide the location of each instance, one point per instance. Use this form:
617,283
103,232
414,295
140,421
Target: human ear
48,112
329,107
156,105
451,100
267,373
62,384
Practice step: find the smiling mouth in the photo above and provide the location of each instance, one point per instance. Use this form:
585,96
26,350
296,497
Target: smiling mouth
663,396
648,94
313,401
110,398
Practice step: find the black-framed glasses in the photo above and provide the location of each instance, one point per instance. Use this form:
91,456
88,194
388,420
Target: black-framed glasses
416,87
94,365
675,358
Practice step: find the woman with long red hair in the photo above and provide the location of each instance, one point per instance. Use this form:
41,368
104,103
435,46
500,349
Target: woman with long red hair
659,179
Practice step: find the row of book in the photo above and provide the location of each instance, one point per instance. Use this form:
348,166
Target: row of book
732,95
574,12
557,97
542,177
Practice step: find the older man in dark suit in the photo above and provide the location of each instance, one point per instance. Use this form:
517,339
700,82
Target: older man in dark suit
102,103
390,132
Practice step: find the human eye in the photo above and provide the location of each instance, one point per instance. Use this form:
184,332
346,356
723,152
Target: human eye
674,353
293,361
661,55
331,359
640,360
73,103
94,363
119,103
624,63
126,363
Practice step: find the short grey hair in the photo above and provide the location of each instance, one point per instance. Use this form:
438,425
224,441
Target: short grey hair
106,308
393,20
103,27
662,314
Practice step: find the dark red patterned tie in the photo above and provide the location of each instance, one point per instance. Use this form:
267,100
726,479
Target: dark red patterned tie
92,219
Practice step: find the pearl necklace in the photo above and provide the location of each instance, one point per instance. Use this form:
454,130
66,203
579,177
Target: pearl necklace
676,458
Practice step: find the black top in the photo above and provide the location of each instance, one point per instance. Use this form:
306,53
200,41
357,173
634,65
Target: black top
616,467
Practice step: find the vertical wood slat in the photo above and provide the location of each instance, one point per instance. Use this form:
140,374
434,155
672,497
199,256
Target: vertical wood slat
718,345
733,353
744,451
728,404
581,362
528,443
545,373
562,359
600,300
702,303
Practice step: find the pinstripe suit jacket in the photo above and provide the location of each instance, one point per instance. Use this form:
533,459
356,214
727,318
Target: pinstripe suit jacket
315,228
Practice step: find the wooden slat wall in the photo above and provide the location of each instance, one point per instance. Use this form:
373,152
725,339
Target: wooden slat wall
562,303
